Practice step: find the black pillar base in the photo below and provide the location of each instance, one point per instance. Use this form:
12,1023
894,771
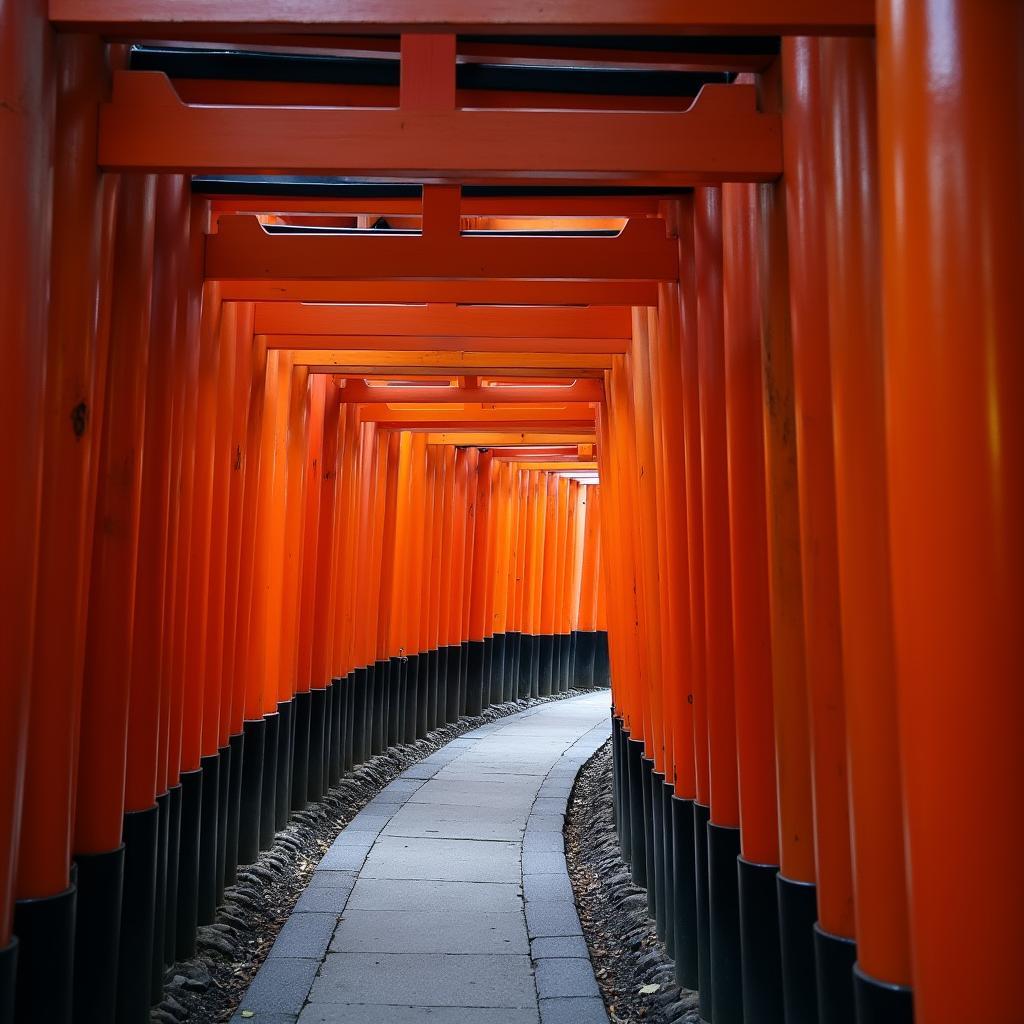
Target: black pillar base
357,727
586,646
759,943
646,777
156,980
223,810
525,665
475,677
402,697
378,737
412,673
834,957
701,818
138,912
209,813
668,875
171,894
684,891
637,829
8,973
602,666
335,731
251,795
44,986
565,653
285,748
451,683
724,916
623,819
879,1002
318,725
486,686
237,745
463,678
656,781
394,702
300,766
188,864
503,658
545,664
434,690
268,795
513,649
423,669
97,936
798,910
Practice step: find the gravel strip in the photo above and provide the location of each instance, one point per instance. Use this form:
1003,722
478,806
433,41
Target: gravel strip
207,988
624,948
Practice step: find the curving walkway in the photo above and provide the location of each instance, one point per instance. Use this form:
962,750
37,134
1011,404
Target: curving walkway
446,900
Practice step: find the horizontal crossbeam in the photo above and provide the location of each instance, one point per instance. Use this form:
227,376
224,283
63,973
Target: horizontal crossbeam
581,391
721,137
241,248
396,325
624,293
168,18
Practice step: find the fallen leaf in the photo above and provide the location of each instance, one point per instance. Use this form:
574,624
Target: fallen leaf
649,990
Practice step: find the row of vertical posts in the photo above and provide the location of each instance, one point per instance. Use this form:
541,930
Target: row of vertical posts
221,588
812,486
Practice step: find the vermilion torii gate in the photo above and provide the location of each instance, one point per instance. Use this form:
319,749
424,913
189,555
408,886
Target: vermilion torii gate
287,483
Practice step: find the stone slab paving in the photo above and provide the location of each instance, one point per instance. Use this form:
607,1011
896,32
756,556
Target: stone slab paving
447,899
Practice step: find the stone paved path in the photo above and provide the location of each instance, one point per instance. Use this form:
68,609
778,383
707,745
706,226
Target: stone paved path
446,900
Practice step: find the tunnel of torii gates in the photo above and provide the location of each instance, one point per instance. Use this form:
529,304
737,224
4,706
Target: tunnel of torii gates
321,322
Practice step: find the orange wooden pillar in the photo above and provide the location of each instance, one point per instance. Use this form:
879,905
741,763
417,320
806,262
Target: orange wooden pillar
374,657
531,597
718,694
586,614
478,583
699,232
465,468
678,655
548,558
808,278
751,618
426,603
414,592
522,661
951,109
107,668
26,140
862,516
75,357
447,660
199,771
658,751
254,727
232,711
386,654
144,892
182,326
797,890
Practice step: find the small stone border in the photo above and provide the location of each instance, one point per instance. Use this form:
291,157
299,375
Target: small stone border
624,948
207,988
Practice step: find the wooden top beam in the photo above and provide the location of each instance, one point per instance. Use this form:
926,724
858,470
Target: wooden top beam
580,391
396,324
484,437
618,293
721,137
241,248
177,18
